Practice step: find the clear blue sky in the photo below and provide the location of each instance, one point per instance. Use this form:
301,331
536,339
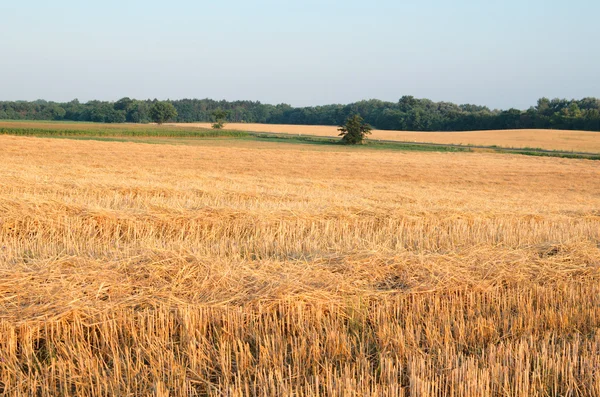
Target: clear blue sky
500,53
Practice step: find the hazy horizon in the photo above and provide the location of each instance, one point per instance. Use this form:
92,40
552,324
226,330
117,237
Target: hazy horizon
499,54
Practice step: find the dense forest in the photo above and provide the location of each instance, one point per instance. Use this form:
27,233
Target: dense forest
408,113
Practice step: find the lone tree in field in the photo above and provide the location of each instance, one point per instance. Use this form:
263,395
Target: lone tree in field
219,116
355,130
162,111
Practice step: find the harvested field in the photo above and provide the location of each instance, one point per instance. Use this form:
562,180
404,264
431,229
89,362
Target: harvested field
579,141
290,270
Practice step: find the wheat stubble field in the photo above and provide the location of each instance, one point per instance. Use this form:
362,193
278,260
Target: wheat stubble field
255,268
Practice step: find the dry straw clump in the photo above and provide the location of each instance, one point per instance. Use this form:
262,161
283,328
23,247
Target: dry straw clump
272,269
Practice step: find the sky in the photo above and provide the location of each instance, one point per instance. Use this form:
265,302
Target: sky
498,53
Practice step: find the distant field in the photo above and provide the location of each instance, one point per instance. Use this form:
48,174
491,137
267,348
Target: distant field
578,141
70,125
237,267
581,141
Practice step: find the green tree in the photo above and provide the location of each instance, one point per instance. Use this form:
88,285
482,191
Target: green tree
54,112
138,112
162,111
543,107
219,115
407,102
574,110
123,104
354,130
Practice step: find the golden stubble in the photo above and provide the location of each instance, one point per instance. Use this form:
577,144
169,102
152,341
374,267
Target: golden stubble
266,269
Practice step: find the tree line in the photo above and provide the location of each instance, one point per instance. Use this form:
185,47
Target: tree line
409,113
